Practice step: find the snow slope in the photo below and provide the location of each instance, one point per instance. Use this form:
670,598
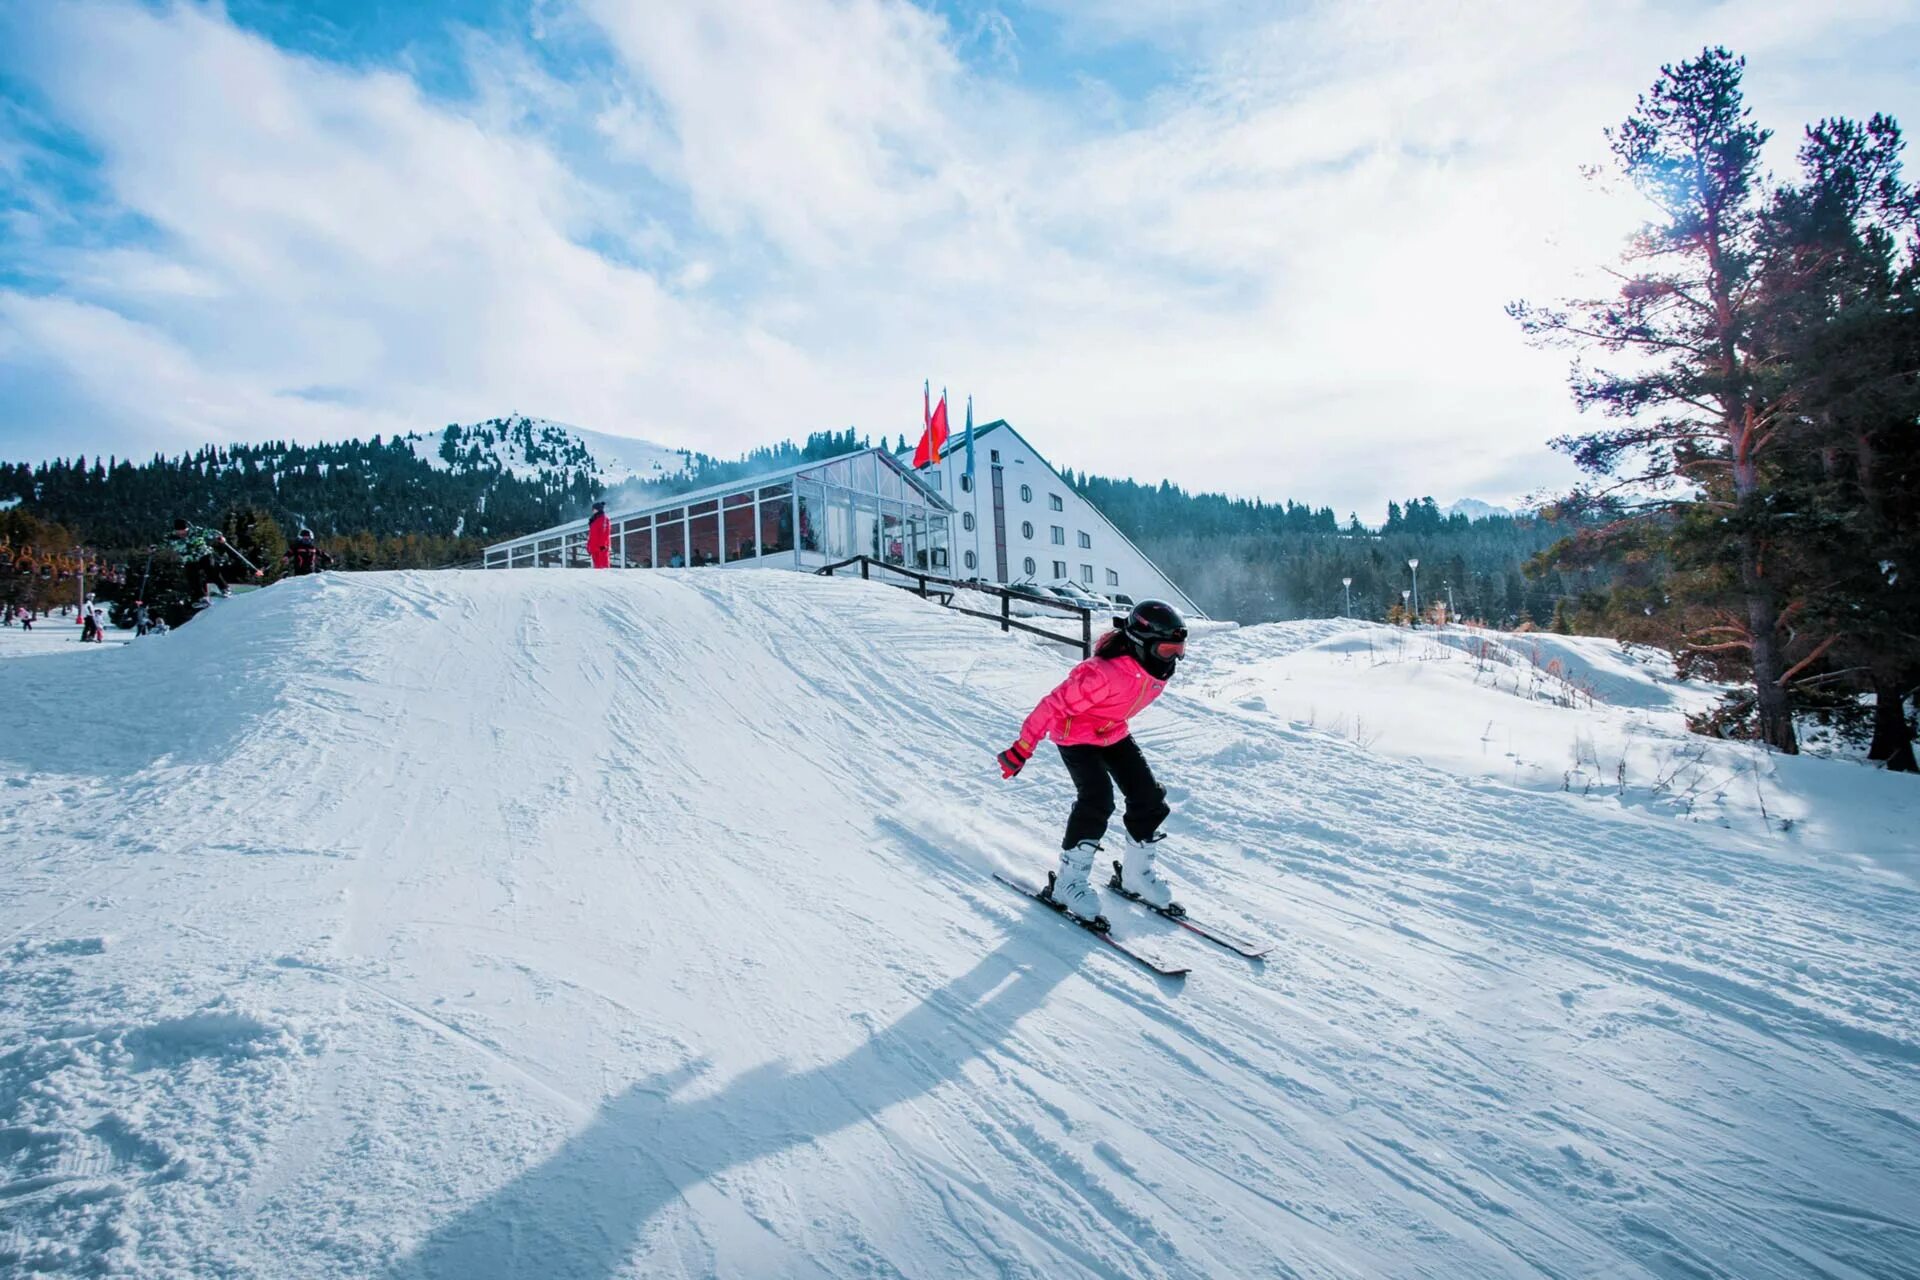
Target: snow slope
1579,714
595,925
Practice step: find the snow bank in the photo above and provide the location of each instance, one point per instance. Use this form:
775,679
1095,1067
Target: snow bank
592,925
1573,714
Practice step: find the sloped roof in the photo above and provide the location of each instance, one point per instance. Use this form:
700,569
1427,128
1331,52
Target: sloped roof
957,448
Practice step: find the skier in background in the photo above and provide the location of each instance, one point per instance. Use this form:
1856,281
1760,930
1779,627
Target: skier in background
199,549
1087,716
600,537
142,620
305,555
90,632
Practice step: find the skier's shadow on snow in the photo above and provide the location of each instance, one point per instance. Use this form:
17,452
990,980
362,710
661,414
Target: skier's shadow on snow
580,1214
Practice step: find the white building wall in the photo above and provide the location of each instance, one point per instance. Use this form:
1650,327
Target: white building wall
1030,485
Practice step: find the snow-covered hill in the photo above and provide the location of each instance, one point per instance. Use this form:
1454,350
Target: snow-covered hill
1474,509
531,448
595,925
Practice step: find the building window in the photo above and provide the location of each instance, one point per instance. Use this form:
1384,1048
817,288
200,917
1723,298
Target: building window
1026,530
1113,577
1054,501
966,521
993,456
1086,541
972,560
1026,493
966,483
1030,566
1059,568
1059,536
1086,574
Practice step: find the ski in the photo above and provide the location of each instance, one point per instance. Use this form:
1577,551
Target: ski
1239,946
1142,958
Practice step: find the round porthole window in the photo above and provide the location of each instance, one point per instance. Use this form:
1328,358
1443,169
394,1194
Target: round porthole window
971,561
1026,529
966,522
1026,493
1030,566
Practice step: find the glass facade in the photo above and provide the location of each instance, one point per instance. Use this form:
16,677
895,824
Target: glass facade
861,504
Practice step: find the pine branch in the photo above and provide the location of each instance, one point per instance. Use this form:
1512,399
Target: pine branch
1820,649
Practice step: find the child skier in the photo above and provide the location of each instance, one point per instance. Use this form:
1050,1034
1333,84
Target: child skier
1087,716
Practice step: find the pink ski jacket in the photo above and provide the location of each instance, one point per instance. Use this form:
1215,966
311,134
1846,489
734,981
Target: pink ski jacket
1093,704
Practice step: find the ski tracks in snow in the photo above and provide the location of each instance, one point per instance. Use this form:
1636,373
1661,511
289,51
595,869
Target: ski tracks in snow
638,924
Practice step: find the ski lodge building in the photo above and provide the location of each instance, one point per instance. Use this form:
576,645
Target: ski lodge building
1013,521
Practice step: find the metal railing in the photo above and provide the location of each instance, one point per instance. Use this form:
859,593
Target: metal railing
931,585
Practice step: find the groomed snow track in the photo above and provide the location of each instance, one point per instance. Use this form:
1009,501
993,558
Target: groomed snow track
592,925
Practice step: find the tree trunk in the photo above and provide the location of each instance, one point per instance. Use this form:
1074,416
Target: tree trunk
1892,739
1763,621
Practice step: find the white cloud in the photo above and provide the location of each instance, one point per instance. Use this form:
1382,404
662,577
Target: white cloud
814,122
1286,277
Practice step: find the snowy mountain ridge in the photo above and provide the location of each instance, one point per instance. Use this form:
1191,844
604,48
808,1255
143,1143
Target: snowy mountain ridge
534,447
1474,509
617,925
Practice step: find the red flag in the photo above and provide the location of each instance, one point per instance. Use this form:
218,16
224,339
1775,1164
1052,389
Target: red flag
933,442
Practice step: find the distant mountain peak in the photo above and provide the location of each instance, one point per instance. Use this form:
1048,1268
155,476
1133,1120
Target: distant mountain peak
1474,509
527,446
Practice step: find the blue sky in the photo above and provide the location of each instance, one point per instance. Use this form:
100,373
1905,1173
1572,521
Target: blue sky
1253,247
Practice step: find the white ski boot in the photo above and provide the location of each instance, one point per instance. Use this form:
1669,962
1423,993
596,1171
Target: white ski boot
1070,887
1135,874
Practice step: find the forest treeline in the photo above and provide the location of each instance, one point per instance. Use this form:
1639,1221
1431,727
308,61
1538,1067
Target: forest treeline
1256,561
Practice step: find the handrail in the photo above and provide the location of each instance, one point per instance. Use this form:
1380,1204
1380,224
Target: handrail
954,585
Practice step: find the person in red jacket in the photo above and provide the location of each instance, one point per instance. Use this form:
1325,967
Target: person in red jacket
1087,716
600,536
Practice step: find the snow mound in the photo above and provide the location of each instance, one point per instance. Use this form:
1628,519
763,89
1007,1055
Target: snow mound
614,925
1573,714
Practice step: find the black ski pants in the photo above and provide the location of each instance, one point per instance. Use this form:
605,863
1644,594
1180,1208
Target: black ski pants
1094,770
204,572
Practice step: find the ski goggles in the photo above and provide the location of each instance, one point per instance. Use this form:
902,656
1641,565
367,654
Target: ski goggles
1169,648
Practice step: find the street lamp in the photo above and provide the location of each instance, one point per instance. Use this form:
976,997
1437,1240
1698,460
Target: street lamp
1346,585
1450,609
1414,564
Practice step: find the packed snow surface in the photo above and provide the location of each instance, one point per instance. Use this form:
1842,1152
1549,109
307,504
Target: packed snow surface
588,925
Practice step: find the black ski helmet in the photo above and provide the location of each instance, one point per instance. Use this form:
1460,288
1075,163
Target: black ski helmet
306,533
1153,622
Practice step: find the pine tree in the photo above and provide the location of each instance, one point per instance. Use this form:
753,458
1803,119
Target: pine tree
1840,285
1699,395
